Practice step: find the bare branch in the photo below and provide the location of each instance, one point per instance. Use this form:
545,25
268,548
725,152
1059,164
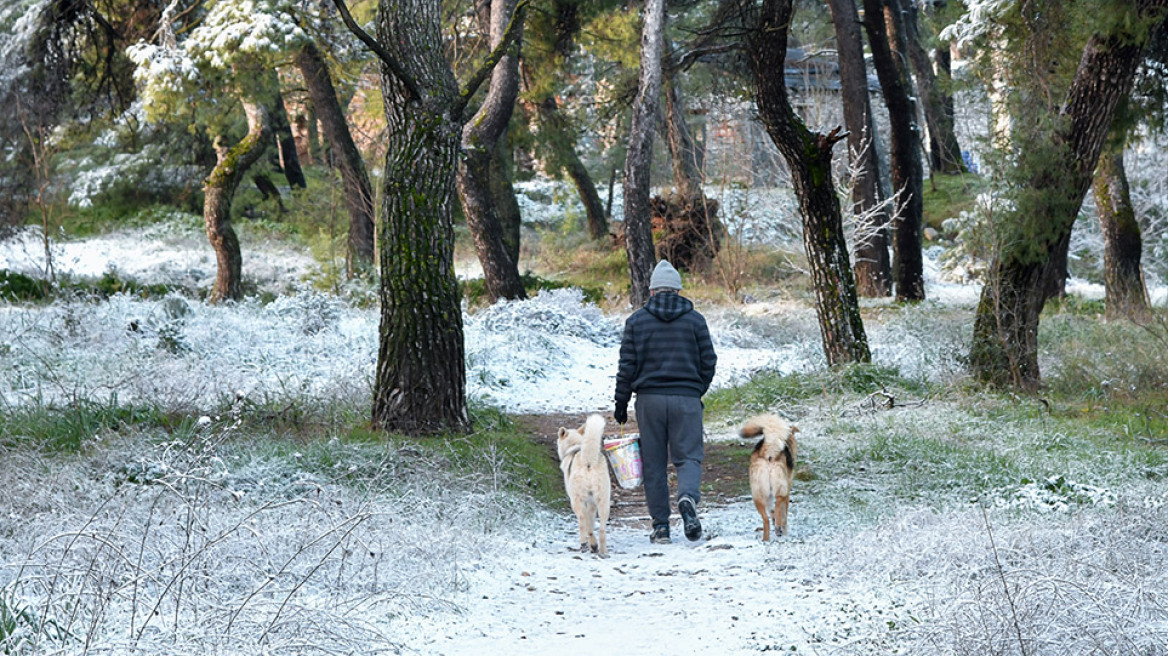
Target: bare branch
690,57
384,55
488,65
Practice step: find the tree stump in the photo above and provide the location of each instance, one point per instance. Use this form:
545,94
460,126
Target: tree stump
686,230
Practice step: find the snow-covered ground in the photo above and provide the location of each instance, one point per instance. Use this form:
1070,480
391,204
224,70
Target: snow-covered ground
187,548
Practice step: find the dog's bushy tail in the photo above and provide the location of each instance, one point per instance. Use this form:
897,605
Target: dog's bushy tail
781,434
593,443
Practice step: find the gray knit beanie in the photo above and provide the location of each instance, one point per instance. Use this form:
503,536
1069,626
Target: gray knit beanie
665,277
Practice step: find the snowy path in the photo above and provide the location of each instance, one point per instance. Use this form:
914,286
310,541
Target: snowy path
725,594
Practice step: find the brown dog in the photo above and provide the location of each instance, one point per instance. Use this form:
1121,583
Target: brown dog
772,469
586,480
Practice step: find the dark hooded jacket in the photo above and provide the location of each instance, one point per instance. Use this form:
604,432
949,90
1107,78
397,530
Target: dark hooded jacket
665,349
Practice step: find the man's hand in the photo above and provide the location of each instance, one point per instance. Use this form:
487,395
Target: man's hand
621,414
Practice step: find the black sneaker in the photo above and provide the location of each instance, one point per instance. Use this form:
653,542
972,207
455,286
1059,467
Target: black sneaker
689,515
660,535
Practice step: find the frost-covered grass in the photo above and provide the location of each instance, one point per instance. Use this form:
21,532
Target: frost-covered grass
221,539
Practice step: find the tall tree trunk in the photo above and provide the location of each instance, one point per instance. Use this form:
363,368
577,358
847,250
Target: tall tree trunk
944,151
479,139
691,234
808,155
639,157
1005,333
593,209
944,65
1125,293
886,38
503,193
286,143
686,155
562,138
354,177
218,192
873,267
420,384
305,123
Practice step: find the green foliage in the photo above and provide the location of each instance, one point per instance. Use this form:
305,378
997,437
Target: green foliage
924,466
769,390
531,467
111,283
614,36
948,196
495,453
1074,304
19,287
21,626
475,290
1104,362
55,428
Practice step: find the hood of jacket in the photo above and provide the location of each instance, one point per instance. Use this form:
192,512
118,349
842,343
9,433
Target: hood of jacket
668,306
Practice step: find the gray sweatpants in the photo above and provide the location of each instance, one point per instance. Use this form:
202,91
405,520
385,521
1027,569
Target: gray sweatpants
671,428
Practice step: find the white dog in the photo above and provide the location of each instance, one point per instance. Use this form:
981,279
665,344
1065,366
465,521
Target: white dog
586,480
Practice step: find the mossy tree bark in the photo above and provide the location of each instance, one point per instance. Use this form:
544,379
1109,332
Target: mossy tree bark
872,266
1005,335
420,383
883,23
480,138
354,178
1125,294
218,192
808,154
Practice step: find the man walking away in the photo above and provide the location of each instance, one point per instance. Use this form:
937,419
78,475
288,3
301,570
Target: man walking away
667,358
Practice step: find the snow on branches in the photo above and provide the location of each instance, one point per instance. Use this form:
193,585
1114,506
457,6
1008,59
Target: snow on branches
231,41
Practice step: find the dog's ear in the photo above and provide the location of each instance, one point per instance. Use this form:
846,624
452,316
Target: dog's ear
794,429
563,432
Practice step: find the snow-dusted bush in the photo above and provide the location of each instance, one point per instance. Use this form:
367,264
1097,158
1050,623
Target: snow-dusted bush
553,312
1056,493
107,175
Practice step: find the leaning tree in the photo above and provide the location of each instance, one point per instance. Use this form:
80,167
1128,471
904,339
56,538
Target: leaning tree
808,154
207,68
1053,175
358,191
480,141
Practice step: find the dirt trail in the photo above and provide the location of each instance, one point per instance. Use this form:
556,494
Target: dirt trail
723,475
